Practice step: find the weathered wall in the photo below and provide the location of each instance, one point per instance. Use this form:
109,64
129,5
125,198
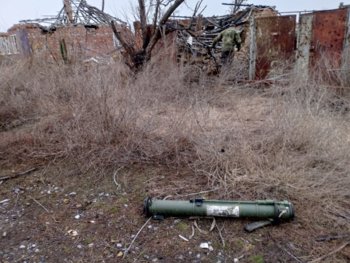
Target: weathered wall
79,41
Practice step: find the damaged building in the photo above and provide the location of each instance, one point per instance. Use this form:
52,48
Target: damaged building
80,31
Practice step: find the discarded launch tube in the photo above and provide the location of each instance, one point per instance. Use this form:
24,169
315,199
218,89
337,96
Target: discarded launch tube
278,210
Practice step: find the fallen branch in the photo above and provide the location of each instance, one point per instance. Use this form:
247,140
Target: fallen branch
332,237
115,180
330,254
138,233
8,177
43,207
289,253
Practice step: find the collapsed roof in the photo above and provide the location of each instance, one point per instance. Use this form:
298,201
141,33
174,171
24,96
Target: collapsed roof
76,12
197,33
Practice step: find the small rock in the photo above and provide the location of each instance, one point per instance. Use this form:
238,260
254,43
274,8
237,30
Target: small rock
120,254
198,256
36,250
72,233
66,200
79,246
22,246
155,260
92,222
119,245
91,245
235,260
211,248
77,217
48,192
4,234
72,194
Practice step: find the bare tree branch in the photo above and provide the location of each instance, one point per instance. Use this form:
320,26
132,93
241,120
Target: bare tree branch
156,35
129,49
143,20
236,5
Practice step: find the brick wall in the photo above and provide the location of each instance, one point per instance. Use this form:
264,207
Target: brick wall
79,41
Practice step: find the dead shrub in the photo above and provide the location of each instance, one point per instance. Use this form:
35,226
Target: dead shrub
100,114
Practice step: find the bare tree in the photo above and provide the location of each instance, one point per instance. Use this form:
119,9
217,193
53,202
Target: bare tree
236,5
159,11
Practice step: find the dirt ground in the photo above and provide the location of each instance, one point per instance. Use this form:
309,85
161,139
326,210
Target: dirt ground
58,213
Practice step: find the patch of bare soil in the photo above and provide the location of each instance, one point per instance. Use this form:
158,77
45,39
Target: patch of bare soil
58,214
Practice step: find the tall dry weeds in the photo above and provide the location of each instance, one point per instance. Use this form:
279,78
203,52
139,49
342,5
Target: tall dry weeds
289,142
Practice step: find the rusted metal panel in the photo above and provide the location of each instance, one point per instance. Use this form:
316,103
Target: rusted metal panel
329,29
304,44
275,42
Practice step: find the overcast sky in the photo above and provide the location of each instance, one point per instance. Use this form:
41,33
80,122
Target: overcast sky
12,11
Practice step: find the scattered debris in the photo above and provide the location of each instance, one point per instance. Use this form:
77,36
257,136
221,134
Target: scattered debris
183,238
4,201
72,233
204,245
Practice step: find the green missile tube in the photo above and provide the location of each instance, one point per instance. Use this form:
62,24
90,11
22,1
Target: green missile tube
277,210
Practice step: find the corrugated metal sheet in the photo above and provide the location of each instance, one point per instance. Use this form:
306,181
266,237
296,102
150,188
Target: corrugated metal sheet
8,45
275,41
328,34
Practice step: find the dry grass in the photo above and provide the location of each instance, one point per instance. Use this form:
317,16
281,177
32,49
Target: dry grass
291,142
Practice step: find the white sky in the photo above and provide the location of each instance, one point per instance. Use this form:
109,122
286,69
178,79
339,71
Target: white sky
12,11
